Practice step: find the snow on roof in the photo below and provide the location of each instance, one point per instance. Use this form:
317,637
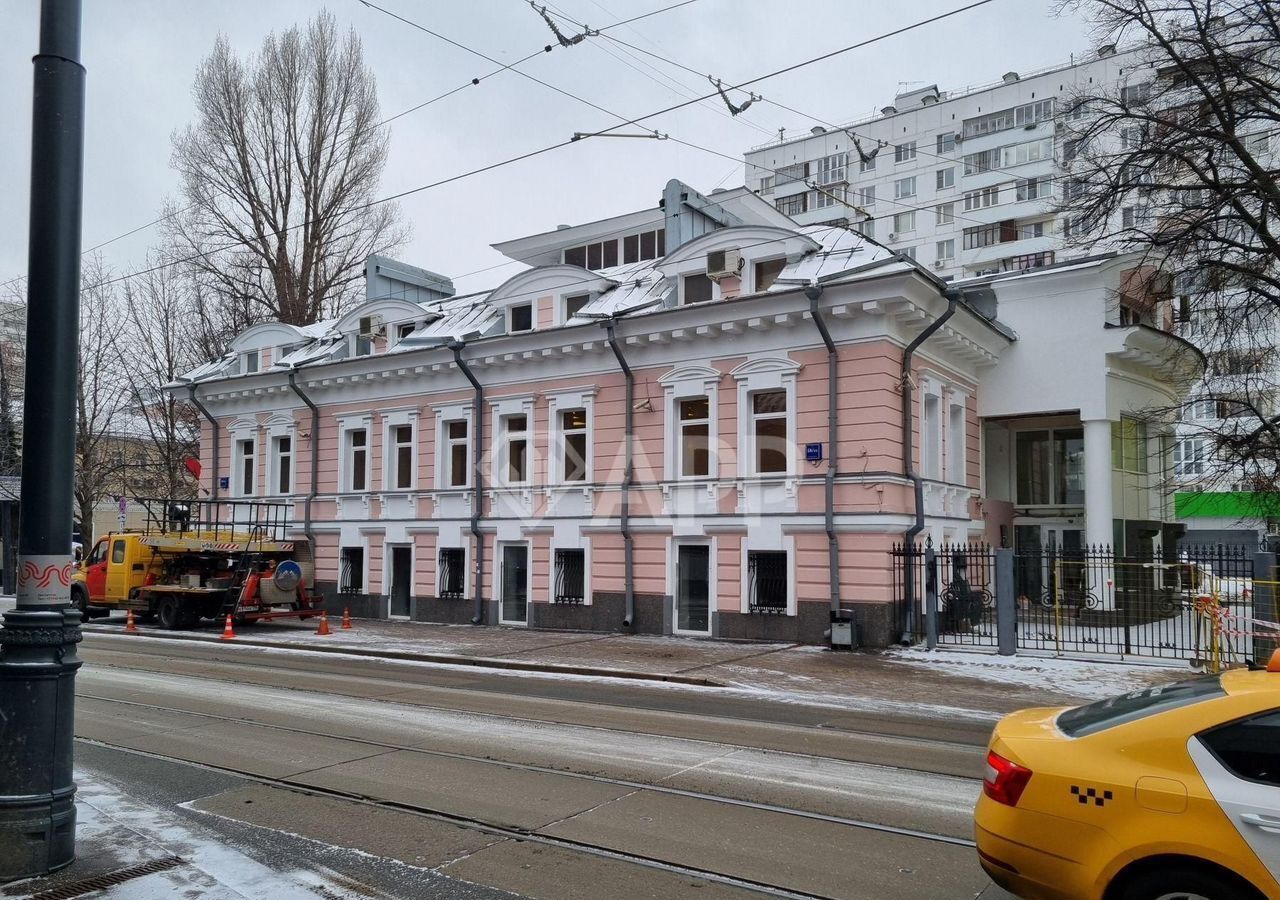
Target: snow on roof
843,251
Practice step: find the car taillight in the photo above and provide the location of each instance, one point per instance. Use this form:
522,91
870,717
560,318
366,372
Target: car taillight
1005,780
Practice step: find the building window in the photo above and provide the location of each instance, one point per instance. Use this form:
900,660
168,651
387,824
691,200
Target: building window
904,222
653,244
1129,445
904,152
1027,261
1050,467
768,580
931,437
769,430
831,169
402,456
573,305
867,196
252,361
956,444
866,163
1035,188
453,573
696,288
458,473
984,161
695,437
282,462
793,205
866,228
1013,117
946,250
904,187
767,271
245,461
600,255
1201,408
1189,456
908,252
766,187
521,318
571,576
989,196
351,571
946,177
946,142
1071,149
404,330
1138,217
945,213
1135,93
515,438
573,437
357,451
826,197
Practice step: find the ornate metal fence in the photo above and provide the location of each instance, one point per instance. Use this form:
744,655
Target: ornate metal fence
958,579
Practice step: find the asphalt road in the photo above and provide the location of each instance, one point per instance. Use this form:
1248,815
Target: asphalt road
546,788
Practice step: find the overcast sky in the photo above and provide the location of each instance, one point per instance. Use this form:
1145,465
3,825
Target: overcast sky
141,56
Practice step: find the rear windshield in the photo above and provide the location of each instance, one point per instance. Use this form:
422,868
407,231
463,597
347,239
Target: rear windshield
1086,720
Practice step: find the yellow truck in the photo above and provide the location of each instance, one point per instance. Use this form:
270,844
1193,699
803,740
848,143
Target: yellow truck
199,560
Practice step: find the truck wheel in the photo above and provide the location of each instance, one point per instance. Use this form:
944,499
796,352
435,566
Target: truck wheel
170,614
80,600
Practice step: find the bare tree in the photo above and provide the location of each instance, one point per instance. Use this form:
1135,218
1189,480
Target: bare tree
278,177
1179,163
102,395
159,345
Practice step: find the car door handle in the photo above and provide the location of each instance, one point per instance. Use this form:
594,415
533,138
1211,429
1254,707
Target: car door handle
1258,820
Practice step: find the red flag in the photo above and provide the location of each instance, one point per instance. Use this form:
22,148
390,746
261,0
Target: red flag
193,466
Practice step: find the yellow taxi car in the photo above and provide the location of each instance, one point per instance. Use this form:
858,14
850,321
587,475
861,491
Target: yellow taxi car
1169,793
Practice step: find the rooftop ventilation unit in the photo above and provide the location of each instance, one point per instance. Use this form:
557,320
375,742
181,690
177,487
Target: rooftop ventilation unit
1009,77
817,130
1106,50
889,110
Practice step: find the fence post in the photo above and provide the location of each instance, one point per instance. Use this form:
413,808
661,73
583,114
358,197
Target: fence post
1006,604
931,597
1264,602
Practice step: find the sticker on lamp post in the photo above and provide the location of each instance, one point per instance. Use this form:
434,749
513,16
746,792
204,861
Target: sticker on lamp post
44,580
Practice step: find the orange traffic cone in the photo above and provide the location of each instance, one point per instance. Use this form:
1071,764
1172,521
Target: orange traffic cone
346,617
324,624
129,626
227,633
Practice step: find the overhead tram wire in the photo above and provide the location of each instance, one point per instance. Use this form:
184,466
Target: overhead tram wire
561,144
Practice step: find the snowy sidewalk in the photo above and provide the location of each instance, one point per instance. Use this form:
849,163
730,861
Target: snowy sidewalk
902,680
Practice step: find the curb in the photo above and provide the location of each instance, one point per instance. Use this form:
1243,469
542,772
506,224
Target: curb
479,662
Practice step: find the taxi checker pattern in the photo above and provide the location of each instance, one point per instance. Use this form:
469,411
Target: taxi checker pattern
1084,795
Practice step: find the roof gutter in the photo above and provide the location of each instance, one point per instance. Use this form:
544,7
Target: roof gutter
315,453
628,544
477,485
217,438
814,293
908,444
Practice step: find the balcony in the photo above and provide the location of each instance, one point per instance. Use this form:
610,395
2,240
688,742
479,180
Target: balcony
1008,238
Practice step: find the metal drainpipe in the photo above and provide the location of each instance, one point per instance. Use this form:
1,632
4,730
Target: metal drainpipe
628,550
217,438
477,495
315,452
814,292
908,444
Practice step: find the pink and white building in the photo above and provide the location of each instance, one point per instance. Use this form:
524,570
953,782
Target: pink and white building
696,419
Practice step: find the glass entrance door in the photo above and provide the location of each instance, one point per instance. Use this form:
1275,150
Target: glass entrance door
515,583
401,580
693,588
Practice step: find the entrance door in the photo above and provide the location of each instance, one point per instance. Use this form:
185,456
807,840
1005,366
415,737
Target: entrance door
515,583
401,580
693,588
1050,563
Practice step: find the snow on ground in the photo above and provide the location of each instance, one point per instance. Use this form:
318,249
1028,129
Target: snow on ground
1079,678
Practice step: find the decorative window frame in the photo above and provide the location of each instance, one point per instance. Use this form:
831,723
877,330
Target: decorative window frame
764,543
557,403
499,409
560,303
686,383
392,418
931,388
279,426
765,374
956,398
245,430
585,547
453,412
346,424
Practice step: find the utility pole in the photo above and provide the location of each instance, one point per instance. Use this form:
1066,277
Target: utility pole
38,659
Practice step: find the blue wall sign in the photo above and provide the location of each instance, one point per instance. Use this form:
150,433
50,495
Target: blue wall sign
813,452
224,482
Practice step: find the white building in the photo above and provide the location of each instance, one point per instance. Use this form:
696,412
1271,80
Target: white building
962,181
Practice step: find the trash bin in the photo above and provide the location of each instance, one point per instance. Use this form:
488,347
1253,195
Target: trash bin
842,630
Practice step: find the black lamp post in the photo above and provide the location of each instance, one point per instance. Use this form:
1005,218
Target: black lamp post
38,660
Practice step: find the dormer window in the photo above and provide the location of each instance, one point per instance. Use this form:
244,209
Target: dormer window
696,288
647,245
767,272
404,330
574,304
252,362
520,318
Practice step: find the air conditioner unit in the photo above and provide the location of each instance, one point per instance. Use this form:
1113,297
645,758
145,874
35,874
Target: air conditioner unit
892,236
723,262
372,327
938,264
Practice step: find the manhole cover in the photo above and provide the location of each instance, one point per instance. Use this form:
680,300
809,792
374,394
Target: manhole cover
110,879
